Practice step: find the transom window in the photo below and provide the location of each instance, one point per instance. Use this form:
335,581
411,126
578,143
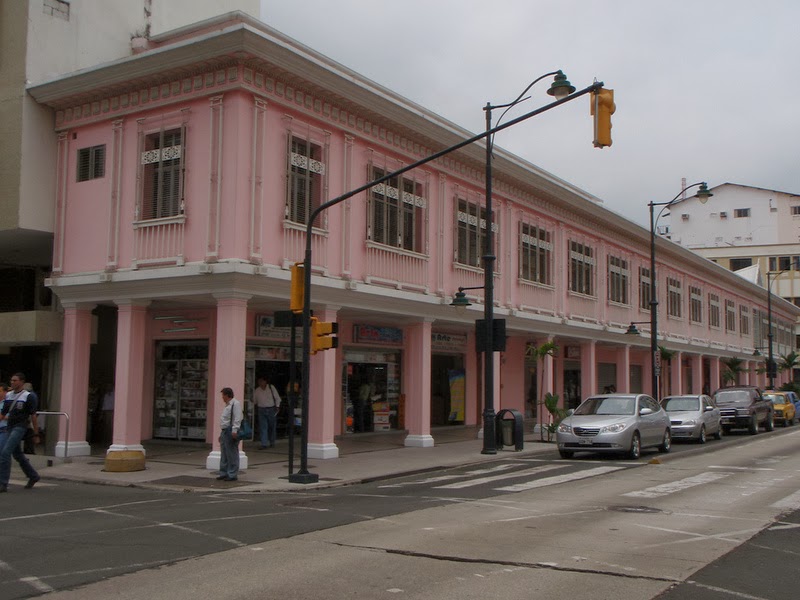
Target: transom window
581,268
162,164
306,173
730,315
91,163
695,304
618,279
645,288
536,254
674,297
397,212
713,311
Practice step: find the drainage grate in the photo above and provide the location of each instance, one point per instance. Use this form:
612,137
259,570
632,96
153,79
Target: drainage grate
635,509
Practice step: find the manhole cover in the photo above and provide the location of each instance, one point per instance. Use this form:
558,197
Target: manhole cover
635,509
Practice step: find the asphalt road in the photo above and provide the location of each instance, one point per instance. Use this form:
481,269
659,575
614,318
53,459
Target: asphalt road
61,535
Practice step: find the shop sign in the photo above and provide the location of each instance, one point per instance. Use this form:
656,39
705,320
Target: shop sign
449,342
369,334
265,328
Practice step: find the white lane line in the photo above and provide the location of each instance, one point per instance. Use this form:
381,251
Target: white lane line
440,478
791,502
547,481
37,583
481,480
741,468
677,486
79,510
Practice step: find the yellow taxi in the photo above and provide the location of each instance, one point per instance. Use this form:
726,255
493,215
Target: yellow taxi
783,406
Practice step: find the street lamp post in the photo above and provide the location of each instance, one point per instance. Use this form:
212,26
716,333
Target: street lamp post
703,194
771,367
560,88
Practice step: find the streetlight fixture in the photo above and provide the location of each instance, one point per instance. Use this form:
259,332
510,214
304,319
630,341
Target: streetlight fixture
559,89
703,194
771,366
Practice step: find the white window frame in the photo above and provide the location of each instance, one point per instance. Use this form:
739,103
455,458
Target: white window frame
397,218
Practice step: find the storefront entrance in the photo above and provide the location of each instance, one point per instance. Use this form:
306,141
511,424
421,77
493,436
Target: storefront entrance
181,391
448,390
274,363
371,392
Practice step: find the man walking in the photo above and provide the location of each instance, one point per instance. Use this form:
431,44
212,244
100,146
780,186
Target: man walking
230,421
19,409
268,402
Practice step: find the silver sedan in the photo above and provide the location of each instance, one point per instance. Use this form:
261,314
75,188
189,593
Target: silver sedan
693,416
620,423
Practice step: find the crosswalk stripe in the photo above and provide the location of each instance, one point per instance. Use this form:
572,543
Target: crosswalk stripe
482,480
791,502
538,483
677,486
438,478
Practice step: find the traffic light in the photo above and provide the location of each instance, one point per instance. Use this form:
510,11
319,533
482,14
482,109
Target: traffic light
602,107
321,333
298,288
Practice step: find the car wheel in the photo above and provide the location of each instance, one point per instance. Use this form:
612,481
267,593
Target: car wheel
566,454
636,446
786,422
666,444
702,437
718,434
753,427
769,425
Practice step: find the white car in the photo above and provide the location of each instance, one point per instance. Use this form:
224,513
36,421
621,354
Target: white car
619,423
693,416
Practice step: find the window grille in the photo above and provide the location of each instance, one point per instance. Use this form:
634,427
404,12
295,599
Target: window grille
713,311
162,164
730,316
674,297
739,213
306,170
645,288
397,212
618,280
744,320
696,304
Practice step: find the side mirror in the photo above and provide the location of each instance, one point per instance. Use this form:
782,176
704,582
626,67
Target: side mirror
646,411
708,408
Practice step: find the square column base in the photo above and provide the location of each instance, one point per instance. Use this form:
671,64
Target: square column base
63,449
323,451
419,441
124,448
214,457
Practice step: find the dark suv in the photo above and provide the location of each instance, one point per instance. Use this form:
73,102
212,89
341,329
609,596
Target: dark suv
743,407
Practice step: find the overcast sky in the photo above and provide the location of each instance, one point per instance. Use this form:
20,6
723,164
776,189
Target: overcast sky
705,89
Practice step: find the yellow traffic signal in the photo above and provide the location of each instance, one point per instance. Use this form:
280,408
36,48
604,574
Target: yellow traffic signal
298,288
602,107
321,333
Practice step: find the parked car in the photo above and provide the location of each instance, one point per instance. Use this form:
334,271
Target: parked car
693,416
744,407
783,406
795,400
619,423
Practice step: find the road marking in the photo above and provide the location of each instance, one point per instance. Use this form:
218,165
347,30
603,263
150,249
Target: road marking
741,468
440,478
547,481
791,502
677,486
79,510
481,480
37,583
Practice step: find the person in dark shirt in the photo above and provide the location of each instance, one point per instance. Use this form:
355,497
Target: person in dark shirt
18,410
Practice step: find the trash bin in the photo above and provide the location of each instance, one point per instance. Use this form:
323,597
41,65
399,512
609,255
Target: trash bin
508,432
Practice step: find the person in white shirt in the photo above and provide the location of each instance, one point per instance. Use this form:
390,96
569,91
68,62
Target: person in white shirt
268,401
229,423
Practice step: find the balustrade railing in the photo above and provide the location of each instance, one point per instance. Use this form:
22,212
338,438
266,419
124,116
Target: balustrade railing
159,242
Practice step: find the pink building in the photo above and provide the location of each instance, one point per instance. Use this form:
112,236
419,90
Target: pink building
185,176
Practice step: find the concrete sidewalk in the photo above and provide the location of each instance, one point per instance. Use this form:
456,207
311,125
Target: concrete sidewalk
364,457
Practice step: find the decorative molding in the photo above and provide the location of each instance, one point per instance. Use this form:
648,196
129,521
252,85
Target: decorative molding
215,177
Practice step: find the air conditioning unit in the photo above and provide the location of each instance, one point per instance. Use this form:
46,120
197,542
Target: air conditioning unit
685,217
723,215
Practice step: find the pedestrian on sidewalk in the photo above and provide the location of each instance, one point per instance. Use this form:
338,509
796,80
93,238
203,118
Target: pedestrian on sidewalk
18,412
3,410
268,402
230,421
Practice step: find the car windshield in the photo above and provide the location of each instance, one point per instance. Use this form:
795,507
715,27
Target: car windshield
680,403
732,397
607,405
776,398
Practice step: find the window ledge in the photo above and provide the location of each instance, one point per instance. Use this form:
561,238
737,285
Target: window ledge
400,251
302,227
176,220
584,296
535,284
